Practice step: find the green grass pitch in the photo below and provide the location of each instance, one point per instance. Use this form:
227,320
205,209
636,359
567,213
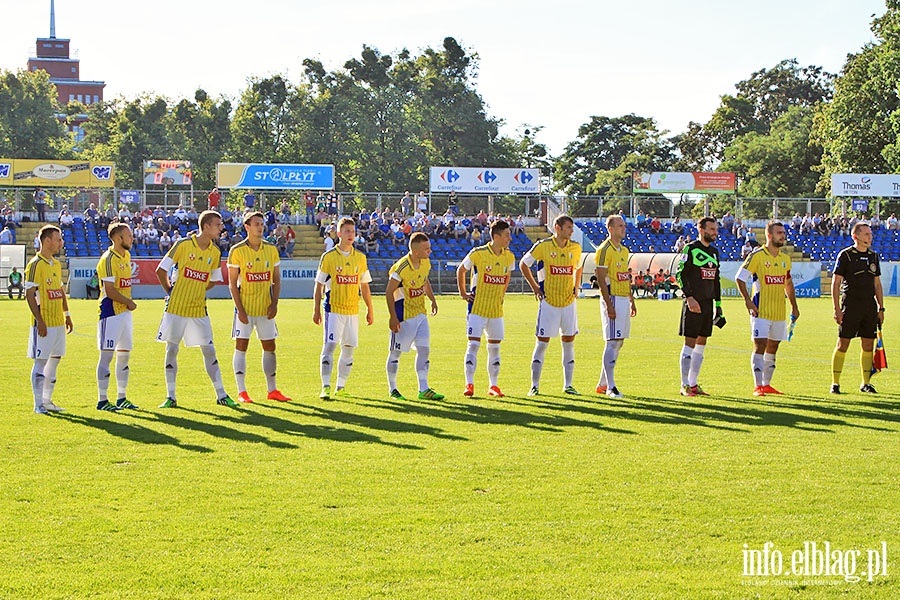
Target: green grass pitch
652,496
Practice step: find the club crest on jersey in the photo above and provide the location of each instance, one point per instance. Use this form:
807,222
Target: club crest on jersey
192,256
339,268
553,255
487,268
872,268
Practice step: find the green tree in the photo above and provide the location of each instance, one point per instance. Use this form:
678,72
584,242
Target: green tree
860,128
29,127
200,132
606,151
779,163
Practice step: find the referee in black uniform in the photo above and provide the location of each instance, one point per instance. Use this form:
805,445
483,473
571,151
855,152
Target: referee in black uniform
698,278
858,304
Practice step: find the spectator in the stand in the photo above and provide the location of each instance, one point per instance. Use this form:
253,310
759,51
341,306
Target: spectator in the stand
165,242
6,236
875,222
40,203
422,202
284,212
280,240
460,231
396,232
332,203
212,200
124,214
330,240
271,219
152,235
406,203
249,200
475,237
677,226
309,202
224,241
796,222
181,214
655,225
92,215
66,219
751,235
823,227
111,213
452,203
652,249
140,234
806,225
171,220
728,221
161,226
291,238
320,218
372,242
642,220
746,249
192,218
519,227
679,245
227,217
893,224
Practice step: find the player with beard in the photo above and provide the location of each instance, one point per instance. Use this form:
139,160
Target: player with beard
114,330
698,278
768,269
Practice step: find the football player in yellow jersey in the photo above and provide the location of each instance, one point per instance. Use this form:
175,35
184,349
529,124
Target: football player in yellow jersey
616,301
406,291
343,276
254,281
51,321
769,269
492,264
559,276
114,330
198,262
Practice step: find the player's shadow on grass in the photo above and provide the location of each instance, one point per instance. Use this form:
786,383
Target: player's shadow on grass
624,409
833,410
487,414
131,432
217,431
294,427
707,413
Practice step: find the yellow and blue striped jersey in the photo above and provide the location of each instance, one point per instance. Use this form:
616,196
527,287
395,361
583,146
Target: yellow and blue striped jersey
115,268
616,262
556,270
409,299
489,280
46,276
256,275
195,269
342,274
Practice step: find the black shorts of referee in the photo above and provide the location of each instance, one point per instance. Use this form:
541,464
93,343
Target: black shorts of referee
694,325
860,318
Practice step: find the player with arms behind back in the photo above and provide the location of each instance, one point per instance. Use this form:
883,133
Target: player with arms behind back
490,265
342,277
407,289
50,317
558,261
254,281
115,329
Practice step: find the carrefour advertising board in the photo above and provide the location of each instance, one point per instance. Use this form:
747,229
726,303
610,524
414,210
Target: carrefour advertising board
275,176
485,180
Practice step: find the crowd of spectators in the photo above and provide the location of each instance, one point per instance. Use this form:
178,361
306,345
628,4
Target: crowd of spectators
375,228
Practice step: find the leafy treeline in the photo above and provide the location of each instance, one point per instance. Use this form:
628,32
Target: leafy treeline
383,119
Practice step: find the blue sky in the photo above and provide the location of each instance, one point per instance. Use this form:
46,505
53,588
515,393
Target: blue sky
552,64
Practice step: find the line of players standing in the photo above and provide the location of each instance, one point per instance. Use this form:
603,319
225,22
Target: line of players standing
192,266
